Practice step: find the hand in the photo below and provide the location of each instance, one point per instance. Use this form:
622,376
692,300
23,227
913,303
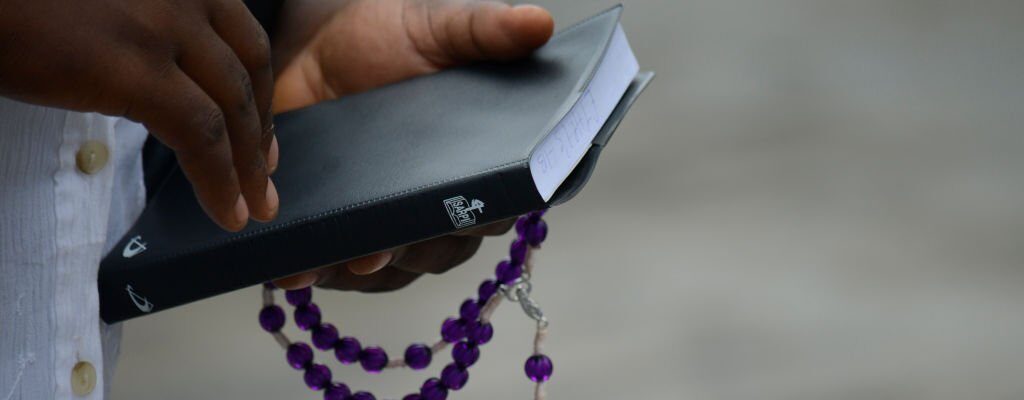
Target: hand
396,268
369,43
196,73
364,44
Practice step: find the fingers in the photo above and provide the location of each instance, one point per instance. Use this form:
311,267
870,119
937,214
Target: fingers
436,256
493,229
370,264
489,30
298,281
385,280
217,70
179,113
240,30
376,272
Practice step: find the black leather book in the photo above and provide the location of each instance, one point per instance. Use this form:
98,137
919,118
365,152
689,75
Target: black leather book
397,165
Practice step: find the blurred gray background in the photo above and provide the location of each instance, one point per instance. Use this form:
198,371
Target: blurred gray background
816,199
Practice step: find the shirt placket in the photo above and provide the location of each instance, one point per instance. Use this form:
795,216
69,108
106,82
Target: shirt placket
83,192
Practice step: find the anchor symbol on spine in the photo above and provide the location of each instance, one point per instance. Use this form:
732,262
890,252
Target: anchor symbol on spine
134,247
142,303
475,205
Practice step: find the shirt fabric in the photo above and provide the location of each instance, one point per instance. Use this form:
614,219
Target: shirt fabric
56,223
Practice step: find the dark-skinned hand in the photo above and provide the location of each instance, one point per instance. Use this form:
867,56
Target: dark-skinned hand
196,73
335,48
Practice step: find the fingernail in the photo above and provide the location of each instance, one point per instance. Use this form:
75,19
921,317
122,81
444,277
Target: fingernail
241,212
300,281
273,155
370,264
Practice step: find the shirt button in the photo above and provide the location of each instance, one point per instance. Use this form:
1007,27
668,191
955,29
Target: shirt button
83,378
92,157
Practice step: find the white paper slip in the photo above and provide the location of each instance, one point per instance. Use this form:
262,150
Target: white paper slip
563,148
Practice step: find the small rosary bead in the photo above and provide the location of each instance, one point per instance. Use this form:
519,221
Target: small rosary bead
299,355
317,376
337,391
362,396
453,330
507,272
454,377
307,316
480,333
418,356
272,318
517,252
487,289
469,310
325,336
299,297
433,389
539,368
413,396
537,233
347,350
373,359
465,354
522,224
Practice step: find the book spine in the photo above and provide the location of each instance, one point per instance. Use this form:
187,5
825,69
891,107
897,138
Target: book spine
128,291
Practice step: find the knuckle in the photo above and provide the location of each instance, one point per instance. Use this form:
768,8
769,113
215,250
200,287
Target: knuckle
258,165
260,49
248,97
256,55
211,126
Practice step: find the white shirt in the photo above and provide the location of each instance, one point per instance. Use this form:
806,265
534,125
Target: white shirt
56,223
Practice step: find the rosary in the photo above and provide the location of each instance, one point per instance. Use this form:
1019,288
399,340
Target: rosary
466,334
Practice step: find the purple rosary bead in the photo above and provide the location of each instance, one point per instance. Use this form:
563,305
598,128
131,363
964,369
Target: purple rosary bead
521,225
272,318
506,272
453,330
307,316
325,336
465,354
317,376
467,332
433,389
539,368
347,350
299,297
454,377
487,289
362,396
469,310
537,233
337,391
480,333
373,359
418,356
299,355
517,252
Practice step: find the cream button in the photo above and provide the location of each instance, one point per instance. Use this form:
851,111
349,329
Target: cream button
92,157
83,378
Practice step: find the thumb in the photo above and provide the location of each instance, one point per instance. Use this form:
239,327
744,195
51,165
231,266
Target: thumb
488,30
